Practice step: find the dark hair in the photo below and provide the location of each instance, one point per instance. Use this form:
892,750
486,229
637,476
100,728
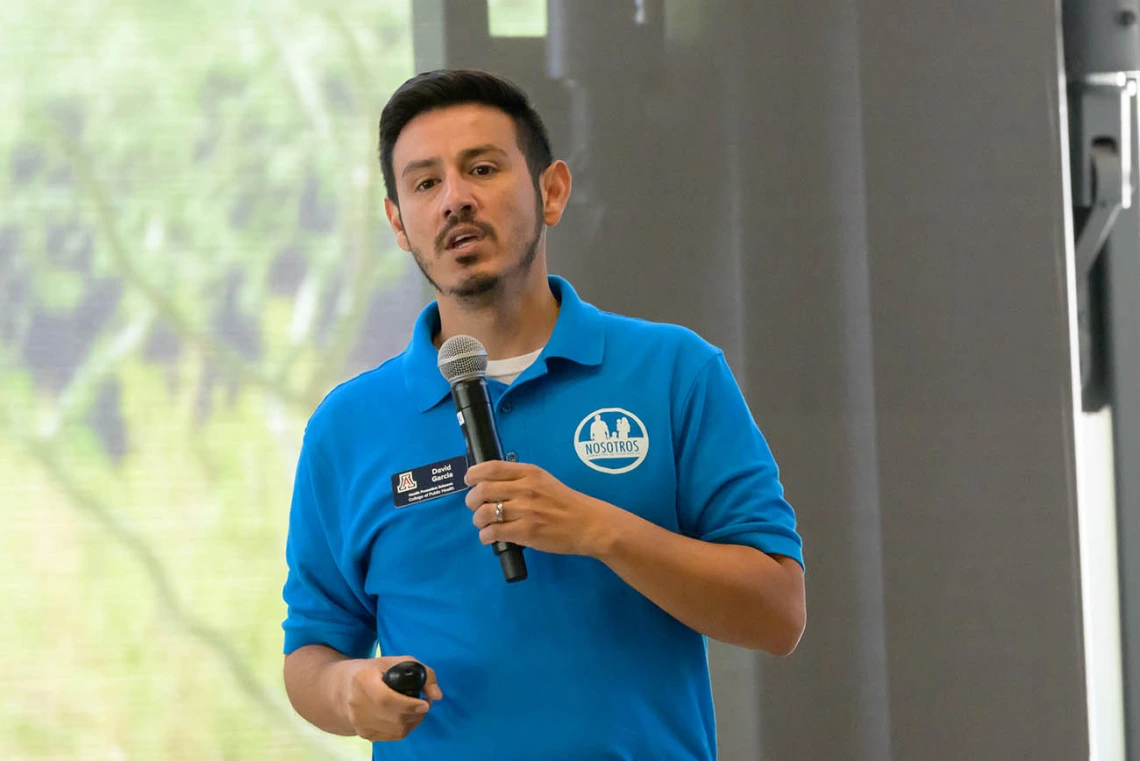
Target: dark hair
453,87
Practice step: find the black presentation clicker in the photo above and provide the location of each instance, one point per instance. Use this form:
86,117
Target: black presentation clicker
407,678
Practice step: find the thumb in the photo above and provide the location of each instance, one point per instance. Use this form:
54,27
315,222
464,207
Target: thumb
431,686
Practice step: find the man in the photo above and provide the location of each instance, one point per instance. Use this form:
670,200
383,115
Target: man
637,550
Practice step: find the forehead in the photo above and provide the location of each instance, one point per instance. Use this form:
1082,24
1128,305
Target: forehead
445,132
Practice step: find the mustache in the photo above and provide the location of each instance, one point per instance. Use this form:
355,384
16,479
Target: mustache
463,219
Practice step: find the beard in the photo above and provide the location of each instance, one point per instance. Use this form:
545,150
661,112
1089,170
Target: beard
480,289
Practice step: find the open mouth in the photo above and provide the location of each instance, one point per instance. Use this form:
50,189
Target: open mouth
463,238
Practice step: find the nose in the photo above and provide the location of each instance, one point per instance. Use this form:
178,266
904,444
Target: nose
458,197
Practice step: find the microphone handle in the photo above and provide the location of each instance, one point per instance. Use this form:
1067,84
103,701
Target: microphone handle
477,421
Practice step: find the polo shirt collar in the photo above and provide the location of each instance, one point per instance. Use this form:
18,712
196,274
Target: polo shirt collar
578,336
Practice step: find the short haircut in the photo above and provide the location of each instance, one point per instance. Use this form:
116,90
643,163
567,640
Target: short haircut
452,87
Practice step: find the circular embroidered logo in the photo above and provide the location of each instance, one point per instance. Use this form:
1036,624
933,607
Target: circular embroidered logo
611,440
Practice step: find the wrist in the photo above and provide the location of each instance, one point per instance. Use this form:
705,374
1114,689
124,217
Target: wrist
605,537
337,685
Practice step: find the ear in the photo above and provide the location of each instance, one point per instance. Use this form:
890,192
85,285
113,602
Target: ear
397,222
555,184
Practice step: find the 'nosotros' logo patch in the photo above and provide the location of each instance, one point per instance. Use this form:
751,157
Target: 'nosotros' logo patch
611,440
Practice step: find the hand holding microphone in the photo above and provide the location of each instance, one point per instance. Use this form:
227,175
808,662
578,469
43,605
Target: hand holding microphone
516,504
463,362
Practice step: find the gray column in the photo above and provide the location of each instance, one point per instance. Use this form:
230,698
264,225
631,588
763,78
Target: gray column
808,363
965,213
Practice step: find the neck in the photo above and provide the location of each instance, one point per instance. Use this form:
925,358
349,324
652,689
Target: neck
517,321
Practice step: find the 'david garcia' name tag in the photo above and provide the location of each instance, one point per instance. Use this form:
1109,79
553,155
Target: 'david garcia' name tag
429,481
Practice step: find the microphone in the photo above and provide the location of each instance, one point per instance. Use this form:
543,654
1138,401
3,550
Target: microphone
463,362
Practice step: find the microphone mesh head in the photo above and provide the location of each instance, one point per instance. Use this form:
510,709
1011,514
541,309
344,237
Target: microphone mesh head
462,358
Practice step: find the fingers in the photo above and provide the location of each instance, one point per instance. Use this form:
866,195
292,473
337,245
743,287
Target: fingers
379,713
397,702
496,470
392,703
404,705
385,716
431,686
474,497
489,492
506,532
485,515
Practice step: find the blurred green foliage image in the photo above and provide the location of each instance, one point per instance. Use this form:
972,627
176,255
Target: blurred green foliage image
193,252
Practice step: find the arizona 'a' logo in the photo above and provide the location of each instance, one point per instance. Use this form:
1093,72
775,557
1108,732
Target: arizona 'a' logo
611,440
407,483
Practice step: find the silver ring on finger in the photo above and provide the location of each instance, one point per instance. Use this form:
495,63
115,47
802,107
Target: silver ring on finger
499,512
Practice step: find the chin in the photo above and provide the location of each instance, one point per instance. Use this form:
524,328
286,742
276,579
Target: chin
475,285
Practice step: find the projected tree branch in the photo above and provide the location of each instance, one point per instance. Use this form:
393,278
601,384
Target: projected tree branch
193,252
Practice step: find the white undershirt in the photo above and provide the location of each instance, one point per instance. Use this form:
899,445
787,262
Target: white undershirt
506,370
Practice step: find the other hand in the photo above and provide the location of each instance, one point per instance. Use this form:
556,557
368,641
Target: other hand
376,711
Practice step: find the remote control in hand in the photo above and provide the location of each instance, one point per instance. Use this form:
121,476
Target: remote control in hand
406,678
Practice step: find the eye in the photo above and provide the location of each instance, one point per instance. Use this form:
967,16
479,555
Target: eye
483,170
425,184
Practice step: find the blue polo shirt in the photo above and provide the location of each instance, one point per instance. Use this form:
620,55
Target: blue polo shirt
571,663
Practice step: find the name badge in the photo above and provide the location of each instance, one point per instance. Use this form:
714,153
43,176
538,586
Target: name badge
429,481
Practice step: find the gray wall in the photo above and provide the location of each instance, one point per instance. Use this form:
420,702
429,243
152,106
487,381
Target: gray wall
894,251
862,202
906,351
971,373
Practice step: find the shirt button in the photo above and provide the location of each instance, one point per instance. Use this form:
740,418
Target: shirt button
512,457
506,407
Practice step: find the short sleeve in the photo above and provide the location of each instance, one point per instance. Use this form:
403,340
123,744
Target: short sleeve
323,607
729,489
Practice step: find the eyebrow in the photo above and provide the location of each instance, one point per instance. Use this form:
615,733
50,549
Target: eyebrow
465,155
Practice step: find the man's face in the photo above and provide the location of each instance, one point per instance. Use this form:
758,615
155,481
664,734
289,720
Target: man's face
469,212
